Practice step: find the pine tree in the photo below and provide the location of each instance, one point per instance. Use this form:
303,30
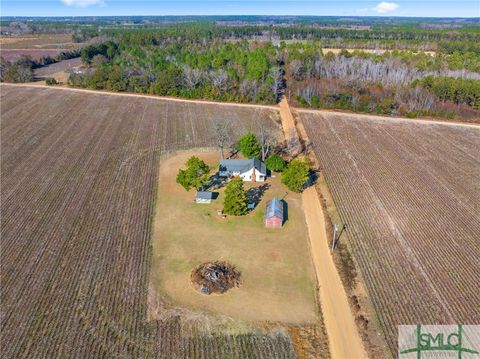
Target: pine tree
235,202
249,145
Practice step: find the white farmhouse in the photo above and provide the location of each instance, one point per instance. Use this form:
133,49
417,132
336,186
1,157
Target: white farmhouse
252,170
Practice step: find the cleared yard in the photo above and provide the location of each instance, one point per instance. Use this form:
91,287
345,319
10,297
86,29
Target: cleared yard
277,272
409,192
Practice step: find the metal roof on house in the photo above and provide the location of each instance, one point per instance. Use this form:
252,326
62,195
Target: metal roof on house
204,195
243,165
274,208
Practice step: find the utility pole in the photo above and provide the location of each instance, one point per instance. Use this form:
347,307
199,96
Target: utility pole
335,230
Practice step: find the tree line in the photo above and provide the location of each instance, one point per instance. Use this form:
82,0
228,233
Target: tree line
389,83
218,70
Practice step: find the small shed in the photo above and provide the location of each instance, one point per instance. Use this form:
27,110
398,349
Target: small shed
204,197
274,214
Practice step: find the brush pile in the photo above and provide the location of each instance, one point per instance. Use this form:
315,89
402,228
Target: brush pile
215,277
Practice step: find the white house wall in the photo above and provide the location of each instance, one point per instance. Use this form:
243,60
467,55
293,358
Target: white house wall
247,176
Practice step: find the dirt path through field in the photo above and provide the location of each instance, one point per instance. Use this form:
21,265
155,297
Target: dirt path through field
344,339
288,123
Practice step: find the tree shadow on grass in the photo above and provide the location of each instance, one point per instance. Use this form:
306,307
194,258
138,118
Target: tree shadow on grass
255,194
313,176
215,182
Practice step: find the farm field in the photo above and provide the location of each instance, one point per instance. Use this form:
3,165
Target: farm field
409,192
278,280
35,54
40,41
79,175
59,70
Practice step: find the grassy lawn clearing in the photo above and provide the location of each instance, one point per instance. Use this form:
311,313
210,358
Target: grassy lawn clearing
277,272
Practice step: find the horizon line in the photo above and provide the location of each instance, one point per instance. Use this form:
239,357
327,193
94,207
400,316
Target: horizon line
259,15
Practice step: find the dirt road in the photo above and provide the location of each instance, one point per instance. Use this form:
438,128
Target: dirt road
154,97
288,123
283,109
344,340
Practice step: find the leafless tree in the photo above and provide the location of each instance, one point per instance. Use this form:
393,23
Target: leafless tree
244,86
192,77
266,136
415,99
219,80
307,93
391,71
296,70
249,88
317,67
221,133
278,84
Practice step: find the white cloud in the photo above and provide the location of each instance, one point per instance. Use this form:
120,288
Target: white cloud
384,7
82,3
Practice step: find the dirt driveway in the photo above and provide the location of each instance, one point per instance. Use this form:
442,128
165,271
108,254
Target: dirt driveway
345,342
343,336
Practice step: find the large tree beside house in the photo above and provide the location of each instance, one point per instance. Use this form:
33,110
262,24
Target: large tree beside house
236,201
196,175
249,145
296,175
275,163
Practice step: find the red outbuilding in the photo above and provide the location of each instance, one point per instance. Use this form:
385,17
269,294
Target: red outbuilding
274,214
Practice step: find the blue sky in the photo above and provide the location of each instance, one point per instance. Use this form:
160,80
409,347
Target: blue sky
423,8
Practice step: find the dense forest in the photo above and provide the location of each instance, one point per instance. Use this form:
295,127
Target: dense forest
242,71
410,67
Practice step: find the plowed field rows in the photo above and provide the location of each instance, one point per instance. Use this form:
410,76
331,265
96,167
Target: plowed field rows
410,194
78,175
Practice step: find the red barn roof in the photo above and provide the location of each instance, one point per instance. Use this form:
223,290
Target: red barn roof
274,213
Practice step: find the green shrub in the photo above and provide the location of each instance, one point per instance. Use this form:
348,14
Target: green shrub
51,81
275,163
296,175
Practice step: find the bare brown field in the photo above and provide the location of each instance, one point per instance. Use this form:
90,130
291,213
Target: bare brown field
79,174
61,66
42,41
409,193
35,54
60,71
